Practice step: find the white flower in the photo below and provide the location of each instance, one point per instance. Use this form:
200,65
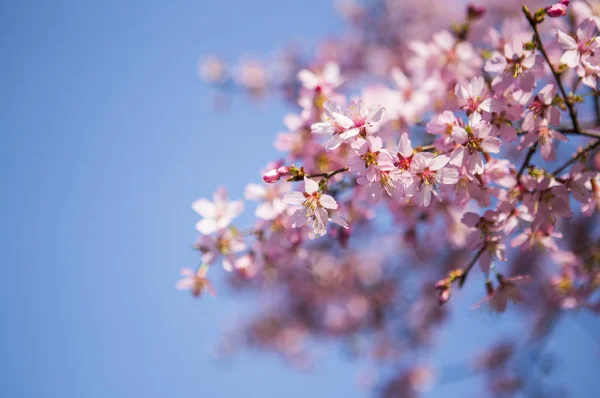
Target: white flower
270,197
328,79
216,215
345,125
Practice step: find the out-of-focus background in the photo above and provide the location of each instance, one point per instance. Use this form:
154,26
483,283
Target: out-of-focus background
108,135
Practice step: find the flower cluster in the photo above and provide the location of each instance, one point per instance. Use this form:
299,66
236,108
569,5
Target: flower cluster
475,146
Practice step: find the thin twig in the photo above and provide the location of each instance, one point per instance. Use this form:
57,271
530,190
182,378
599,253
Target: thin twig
583,152
586,133
467,269
328,175
525,164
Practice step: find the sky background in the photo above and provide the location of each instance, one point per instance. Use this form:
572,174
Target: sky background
108,135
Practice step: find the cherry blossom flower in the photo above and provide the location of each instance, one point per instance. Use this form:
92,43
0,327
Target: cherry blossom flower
545,137
348,124
196,281
345,125
369,159
270,197
446,125
515,67
326,81
313,207
430,172
579,183
544,240
507,289
217,215
584,45
223,246
474,97
541,109
473,141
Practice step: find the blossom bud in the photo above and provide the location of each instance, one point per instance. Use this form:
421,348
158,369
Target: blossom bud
444,296
558,9
475,11
442,284
283,171
271,176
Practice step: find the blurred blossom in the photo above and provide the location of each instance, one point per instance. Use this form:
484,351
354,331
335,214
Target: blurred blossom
252,75
212,70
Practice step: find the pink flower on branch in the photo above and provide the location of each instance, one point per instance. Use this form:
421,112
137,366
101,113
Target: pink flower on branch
313,207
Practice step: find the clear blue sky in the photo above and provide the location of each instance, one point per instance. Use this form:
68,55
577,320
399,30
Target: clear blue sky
108,136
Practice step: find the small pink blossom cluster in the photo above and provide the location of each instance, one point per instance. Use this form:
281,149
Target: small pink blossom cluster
476,146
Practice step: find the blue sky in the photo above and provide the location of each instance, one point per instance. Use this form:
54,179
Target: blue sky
108,136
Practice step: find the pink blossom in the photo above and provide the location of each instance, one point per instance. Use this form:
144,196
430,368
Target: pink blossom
345,125
516,67
223,246
327,80
541,109
270,197
579,183
313,207
474,97
446,125
430,172
196,281
545,137
541,239
217,215
507,289
583,45
473,141
369,158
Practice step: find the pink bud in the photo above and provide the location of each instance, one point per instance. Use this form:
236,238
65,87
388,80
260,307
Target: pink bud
557,10
271,176
442,284
444,296
475,11
283,171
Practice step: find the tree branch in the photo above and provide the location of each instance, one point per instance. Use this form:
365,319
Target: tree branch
583,152
538,38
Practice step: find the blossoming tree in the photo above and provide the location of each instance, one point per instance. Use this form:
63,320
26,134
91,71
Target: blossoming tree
418,153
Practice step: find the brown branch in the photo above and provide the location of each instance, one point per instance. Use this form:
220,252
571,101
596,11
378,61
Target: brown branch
583,152
467,269
328,175
591,134
525,164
